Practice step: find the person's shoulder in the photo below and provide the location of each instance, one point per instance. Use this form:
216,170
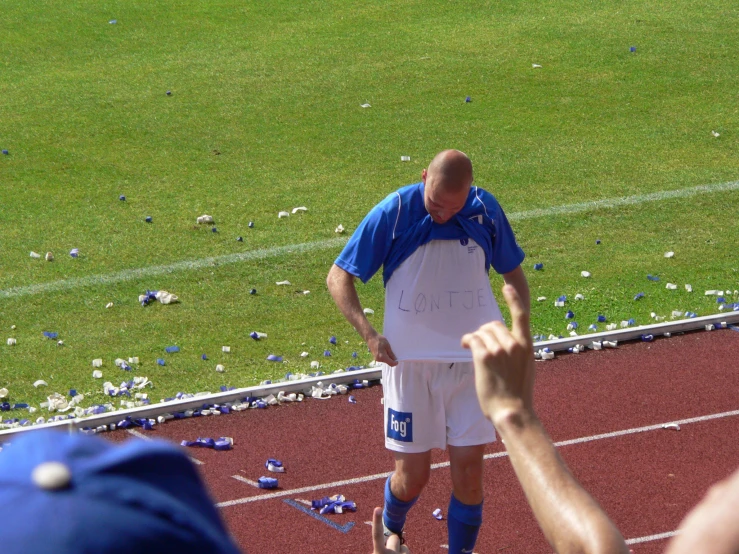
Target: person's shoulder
402,197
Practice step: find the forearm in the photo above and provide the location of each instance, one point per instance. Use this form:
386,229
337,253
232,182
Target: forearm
517,279
341,286
570,518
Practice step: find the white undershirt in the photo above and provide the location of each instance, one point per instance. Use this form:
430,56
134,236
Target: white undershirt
438,294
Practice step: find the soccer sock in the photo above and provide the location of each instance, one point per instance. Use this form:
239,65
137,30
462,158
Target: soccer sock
463,523
395,511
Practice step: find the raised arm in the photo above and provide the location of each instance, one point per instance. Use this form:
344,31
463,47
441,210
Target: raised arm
570,518
341,286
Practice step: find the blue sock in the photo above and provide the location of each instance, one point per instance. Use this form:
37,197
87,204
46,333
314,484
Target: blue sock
463,523
394,512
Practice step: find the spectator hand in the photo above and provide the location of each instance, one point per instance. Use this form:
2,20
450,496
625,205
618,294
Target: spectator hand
504,361
381,350
378,538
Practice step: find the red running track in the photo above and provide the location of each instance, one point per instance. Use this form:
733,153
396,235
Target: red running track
645,479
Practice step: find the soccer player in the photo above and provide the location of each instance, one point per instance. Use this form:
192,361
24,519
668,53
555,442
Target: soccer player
436,241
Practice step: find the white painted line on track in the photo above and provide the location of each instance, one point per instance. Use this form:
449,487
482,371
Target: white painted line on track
651,538
186,265
140,435
279,494
376,476
245,480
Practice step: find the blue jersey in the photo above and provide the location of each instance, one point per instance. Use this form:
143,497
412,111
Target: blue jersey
398,225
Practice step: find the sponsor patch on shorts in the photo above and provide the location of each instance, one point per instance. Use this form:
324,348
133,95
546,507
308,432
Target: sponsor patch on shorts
399,425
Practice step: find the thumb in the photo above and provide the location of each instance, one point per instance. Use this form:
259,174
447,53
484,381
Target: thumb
519,314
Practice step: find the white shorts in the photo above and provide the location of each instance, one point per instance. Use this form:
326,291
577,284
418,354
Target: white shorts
429,405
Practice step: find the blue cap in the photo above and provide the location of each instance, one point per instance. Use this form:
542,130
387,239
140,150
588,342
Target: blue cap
67,493
538,266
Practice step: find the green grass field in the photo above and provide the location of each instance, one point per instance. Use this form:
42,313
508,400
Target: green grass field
265,116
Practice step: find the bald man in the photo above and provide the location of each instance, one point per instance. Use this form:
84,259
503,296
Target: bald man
436,241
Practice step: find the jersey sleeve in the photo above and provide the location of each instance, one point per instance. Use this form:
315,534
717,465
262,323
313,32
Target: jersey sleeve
370,244
507,254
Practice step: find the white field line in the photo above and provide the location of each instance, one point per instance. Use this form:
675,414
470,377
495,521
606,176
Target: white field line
140,435
608,203
375,477
245,480
187,265
651,538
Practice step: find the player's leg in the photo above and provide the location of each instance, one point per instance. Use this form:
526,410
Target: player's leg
414,424
464,516
402,488
468,432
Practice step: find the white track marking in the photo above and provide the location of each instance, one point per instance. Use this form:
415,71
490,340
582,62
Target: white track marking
375,477
278,494
186,265
140,435
651,538
245,480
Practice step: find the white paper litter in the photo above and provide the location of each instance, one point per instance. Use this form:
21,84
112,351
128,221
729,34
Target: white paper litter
579,297
405,158
715,134
585,273
283,214
133,360
283,283
303,354
11,341
226,349
339,229
3,393
369,311
49,257
35,256
535,66
541,299
300,209
689,288
673,426
220,368
203,219
109,305
611,326
166,297
559,304
669,254
315,365
40,383
671,286
365,106
97,374
97,362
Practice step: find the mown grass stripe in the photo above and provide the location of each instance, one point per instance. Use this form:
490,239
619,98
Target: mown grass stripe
138,273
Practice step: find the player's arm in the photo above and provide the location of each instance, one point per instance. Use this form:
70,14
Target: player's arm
341,286
570,518
517,279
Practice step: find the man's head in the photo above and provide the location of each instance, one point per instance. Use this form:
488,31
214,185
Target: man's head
447,183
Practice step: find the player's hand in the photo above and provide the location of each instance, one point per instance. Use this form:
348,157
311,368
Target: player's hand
504,360
381,350
393,545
